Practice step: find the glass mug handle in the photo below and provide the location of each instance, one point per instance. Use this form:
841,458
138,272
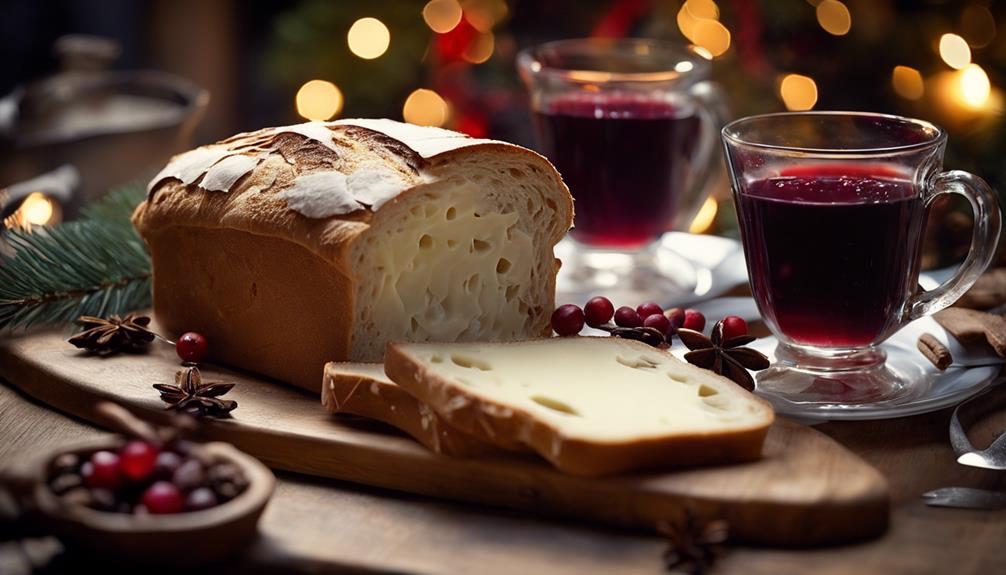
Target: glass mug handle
984,240
713,114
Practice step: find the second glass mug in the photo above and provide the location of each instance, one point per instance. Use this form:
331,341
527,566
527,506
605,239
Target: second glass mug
633,127
832,207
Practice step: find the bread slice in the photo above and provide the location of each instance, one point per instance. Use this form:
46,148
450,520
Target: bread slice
290,247
363,389
591,406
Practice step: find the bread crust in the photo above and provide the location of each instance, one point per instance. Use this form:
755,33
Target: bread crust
249,237
490,421
347,390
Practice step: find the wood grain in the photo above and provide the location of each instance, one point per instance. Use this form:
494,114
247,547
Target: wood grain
807,490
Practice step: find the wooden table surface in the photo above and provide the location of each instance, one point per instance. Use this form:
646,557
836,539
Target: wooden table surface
317,526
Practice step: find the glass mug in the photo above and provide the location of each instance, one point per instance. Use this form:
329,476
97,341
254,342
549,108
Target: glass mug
832,207
632,125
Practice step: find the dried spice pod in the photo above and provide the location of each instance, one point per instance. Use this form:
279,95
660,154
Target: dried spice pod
693,542
191,396
728,358
105,336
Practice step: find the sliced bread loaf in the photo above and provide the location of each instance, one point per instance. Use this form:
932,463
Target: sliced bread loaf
591,406
363,389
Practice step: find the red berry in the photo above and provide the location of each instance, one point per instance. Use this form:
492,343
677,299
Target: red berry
102,471
649,308
734,326
199,499
694,320
659,322
676,316
166,464
191,347
567,319
598,311
625,316
138,459
163,497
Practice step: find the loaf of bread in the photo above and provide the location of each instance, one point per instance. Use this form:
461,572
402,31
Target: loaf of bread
363,389
291,247
591,406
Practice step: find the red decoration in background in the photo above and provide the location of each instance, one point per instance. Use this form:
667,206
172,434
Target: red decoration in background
473,123
616,22
451,46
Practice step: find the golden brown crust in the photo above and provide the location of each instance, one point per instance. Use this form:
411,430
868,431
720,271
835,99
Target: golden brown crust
503,424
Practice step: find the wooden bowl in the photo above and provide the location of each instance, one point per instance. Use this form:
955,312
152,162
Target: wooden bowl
185,538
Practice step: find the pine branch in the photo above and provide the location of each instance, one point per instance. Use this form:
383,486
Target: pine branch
94,266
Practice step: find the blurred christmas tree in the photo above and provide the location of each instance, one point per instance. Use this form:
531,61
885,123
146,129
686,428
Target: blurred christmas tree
450,62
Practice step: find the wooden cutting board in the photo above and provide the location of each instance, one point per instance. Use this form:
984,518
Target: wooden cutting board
807,490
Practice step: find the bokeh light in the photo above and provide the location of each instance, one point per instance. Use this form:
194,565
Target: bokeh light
319,100
425,108
834,17
442,15
480,48
698,21
483,15
975,86
955,51
712,36
368,38
37,209
907,82
798,92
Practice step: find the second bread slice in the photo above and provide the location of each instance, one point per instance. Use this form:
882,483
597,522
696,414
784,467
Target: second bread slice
591,406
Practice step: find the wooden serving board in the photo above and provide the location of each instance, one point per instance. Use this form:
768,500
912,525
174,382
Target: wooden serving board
807,490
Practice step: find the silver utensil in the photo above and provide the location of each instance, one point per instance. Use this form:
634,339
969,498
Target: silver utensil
993,456
965,498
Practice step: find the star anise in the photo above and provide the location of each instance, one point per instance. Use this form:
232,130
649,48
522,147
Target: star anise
191,396
729,358
114,334
693,543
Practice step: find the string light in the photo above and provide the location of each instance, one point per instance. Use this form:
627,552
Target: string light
975,86
37,209
483,15
698,21
368,38
834,17
442,15
706,216
907,82
425,108
798,92
480,48
319,100
955,51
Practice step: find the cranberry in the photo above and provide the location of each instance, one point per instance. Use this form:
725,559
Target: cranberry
694,320
598,311
676,317
659,322
166,464
102,471
192,347
649,308
138,459
734,326
163,497
567,319
199,499
625,316
189,475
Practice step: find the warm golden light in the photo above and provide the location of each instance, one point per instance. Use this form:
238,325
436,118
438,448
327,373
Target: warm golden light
483,15
975,86
834,17
425,108
35,210
480,48
368,38
703,52
955,51
694,11
705,218
798,92
907,82
442,15
319,100
712,36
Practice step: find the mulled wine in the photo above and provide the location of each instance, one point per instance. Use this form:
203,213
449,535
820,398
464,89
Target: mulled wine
626,160
832,254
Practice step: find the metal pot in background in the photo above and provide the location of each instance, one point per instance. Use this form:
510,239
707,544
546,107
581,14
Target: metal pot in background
109,127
